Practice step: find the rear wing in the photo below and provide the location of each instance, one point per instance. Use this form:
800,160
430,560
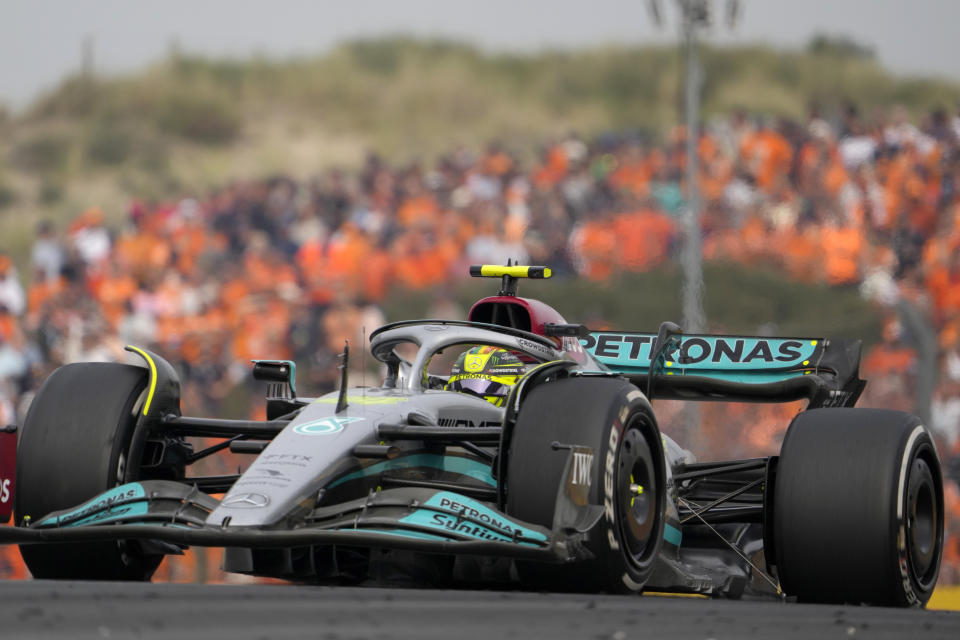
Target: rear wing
735,368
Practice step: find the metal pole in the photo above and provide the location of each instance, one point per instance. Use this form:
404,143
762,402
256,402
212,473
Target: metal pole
86,57
694,15
693,316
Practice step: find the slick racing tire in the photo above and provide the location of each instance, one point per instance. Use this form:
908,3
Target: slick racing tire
858,508
73,447
608,424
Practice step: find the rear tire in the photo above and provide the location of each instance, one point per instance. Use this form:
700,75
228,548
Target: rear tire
73,447
611,417
858,510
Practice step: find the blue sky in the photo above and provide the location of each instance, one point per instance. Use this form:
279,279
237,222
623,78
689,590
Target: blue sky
40,40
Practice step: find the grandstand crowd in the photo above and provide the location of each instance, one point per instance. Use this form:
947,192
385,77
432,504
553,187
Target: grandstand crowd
289,269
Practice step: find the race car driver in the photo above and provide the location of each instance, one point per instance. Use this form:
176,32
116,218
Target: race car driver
487,372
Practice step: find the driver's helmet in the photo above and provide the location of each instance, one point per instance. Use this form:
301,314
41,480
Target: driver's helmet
487,372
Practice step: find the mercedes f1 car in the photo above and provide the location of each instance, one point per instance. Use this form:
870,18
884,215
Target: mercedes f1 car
563,481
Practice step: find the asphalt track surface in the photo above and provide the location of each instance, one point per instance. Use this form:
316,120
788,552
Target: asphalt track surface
61,610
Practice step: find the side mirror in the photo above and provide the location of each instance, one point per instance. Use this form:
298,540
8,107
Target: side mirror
280,373
566,330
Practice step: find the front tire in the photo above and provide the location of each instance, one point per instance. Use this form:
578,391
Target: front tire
74,446
613,420
858,510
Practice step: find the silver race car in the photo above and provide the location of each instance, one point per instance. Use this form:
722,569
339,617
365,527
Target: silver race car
511,449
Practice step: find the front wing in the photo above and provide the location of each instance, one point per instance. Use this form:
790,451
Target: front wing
414,519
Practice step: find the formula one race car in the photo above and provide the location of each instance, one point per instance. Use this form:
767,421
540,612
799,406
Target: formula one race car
512,448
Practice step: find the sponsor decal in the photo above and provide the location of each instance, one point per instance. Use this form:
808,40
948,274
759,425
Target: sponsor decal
483,524
579,475
103,507
245,501
571,345
267,477
837,398
293,457
608,483
465,422
251,484
8,463
286,459
582,464
474,362
324,426
487,376
702,352
110,514
533,346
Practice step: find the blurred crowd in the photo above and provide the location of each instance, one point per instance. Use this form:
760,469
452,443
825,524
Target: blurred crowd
289,269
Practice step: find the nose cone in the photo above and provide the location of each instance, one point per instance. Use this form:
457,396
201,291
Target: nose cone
314,448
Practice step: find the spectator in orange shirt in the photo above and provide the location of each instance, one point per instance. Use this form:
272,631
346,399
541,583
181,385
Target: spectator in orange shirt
418,204
843,247
767,154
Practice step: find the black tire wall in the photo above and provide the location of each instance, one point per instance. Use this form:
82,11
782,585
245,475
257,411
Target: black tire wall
603,414
841,477
79,425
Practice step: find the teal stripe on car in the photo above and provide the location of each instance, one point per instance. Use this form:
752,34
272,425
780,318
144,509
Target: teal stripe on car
104,508
705,355
484,524
672,535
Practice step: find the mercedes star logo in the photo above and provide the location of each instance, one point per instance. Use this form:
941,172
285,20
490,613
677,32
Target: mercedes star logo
246,501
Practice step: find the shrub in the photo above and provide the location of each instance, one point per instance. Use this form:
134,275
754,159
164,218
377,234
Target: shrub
42,153
153,155
76,97
109,145
8,195
51,191
199,117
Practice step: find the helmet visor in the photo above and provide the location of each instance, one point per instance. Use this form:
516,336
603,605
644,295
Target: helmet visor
480,387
